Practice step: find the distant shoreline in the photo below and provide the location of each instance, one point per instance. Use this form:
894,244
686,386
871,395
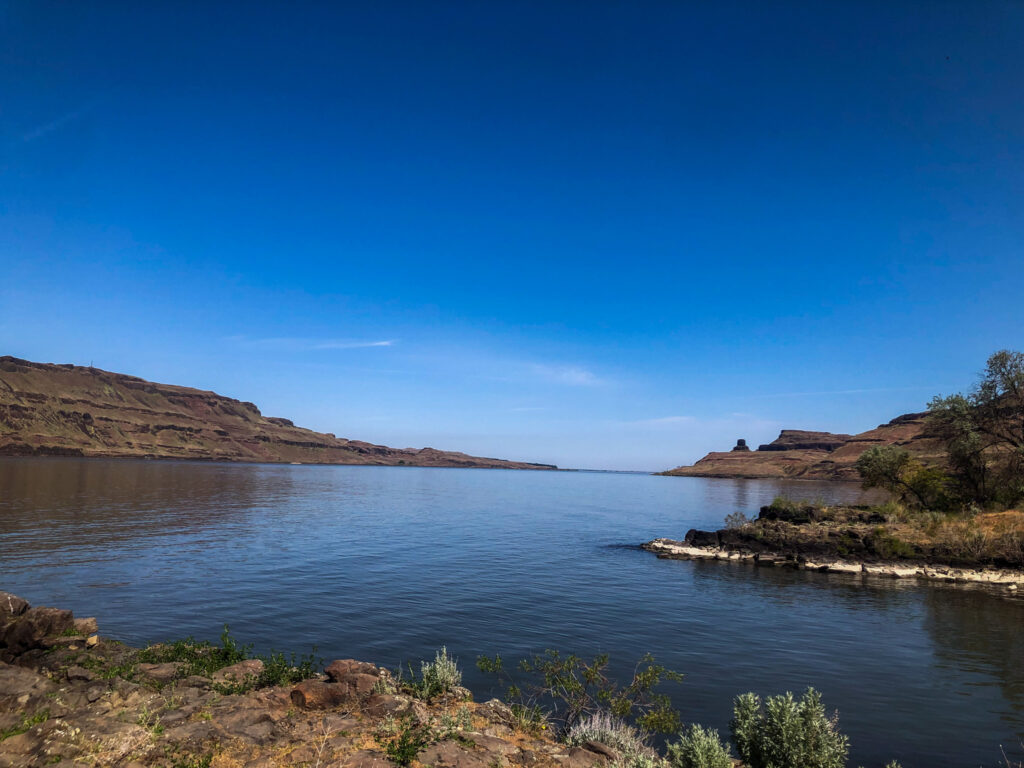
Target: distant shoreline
265,463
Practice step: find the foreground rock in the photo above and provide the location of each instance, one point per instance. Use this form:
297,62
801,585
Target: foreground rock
68,701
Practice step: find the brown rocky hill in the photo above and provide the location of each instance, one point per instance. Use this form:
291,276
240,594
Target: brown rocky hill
70,410
817,455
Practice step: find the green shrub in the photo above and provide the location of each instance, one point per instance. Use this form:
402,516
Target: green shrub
787,733
403,739
889,547
785,503
278,670
451,725
203,658
567,688
438,677
699,748
528,718
603,727
199,657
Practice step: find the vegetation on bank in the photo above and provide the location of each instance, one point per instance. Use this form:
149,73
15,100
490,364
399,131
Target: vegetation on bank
86,700
960,513
574,700
583,705
883,533
983,435
964,507
204,659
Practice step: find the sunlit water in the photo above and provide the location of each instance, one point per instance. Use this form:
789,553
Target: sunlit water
387,564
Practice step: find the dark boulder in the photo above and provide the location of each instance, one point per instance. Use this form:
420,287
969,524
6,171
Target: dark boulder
30,629
11,606
697,538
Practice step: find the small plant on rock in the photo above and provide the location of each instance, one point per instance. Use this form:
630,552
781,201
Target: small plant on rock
203,658
199,657
279,670
403,739
27,721
613,732
438,677
452,724
699,748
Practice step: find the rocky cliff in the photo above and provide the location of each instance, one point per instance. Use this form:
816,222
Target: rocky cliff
69,410
818,455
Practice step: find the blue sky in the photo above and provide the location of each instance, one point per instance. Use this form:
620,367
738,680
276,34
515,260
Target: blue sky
600,234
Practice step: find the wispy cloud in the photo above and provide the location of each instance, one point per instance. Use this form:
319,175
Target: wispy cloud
353,344
845,392
569,375
42,130
663,421
309,345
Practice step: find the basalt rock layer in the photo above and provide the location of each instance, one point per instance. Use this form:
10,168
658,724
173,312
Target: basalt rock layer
70,410
808,455
987,549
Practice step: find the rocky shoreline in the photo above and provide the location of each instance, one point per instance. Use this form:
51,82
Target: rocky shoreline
69,697
985,548
1012,580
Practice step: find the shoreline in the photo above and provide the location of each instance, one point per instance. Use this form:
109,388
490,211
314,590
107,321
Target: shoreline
69,697
230,461
1011,580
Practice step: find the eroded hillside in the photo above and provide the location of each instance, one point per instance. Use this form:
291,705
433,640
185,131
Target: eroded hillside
69,410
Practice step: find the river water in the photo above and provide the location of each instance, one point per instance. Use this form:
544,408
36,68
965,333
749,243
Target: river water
387,564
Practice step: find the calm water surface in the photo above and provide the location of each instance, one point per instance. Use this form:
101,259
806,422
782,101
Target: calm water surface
387,564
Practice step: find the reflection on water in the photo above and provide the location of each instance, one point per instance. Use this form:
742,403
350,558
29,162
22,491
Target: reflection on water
389,563
981,635
90,505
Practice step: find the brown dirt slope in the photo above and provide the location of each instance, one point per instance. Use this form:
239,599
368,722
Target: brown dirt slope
69,410
818,455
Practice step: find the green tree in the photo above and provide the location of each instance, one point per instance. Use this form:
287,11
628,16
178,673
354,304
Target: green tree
984,432
895,470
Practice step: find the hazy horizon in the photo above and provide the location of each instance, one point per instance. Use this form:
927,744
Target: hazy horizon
597,235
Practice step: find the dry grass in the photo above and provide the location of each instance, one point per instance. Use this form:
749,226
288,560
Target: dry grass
987,536
999,523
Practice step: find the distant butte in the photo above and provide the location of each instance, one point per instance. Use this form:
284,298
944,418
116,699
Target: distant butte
71,410
808,455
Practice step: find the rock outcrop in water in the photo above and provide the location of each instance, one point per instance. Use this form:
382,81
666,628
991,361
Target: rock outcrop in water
863,540
817,455
70,698
70,410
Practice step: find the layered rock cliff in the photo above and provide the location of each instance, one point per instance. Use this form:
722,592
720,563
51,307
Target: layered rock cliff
69,410
818,455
